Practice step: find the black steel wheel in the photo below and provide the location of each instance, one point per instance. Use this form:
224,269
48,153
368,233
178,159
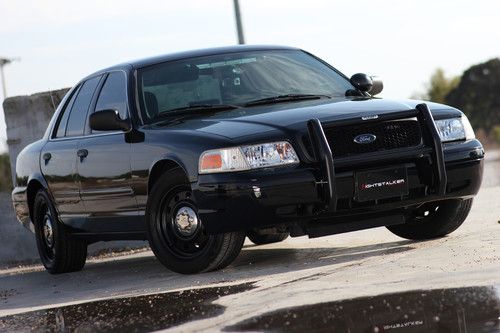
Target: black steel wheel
434,220
176,234
59,252
180,226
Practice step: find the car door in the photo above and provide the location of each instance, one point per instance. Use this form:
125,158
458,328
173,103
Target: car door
59,155
104,167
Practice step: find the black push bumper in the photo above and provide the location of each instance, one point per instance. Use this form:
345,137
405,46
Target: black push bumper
323,193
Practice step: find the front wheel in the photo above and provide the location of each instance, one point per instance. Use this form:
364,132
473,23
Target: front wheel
58,250
434,220
176,234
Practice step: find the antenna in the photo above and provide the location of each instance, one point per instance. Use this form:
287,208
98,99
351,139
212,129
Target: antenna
239,25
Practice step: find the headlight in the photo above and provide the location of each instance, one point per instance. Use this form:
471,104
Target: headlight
247,157
454,129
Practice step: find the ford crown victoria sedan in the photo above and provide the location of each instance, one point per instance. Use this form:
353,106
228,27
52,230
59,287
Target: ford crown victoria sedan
195,151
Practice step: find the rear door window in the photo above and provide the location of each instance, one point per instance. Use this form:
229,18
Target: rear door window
76,121
113,94
63,119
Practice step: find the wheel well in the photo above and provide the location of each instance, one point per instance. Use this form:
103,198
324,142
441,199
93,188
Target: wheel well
159,169
33,187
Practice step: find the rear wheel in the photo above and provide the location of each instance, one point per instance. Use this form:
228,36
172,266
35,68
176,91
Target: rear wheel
259,238
59,252
176,233
434,220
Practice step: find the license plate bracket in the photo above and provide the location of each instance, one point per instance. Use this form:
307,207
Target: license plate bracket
383,183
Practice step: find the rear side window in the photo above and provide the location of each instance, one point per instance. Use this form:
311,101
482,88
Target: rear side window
76,121
63,120
113,94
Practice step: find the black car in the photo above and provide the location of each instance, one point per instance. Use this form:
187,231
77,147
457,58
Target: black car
195,151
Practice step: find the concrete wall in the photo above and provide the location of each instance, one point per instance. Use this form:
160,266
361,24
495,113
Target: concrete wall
17,244
27,118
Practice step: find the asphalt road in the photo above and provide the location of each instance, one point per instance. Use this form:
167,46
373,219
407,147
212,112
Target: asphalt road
367,281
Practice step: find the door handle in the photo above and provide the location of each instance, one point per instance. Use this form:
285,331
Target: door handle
46,157
82,153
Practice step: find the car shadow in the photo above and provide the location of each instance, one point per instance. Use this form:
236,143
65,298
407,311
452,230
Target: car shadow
259,260
144,274
255,261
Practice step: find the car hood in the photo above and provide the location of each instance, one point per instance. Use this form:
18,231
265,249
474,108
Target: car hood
286,117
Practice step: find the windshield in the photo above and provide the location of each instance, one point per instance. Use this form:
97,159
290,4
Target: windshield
234,79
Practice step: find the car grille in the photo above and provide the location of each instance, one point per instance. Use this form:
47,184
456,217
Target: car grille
389,135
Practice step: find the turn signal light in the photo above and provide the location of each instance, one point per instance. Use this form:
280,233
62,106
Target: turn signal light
211,161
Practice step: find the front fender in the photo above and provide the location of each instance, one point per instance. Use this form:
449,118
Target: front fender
192,174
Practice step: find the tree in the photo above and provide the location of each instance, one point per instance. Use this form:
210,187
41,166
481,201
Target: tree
478,94
438,87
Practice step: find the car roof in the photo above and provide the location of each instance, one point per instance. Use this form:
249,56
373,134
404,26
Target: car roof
189,54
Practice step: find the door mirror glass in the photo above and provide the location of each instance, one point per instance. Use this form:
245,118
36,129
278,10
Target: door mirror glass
377,87
108,120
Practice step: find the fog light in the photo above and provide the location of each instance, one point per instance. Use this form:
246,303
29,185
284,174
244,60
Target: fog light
256,191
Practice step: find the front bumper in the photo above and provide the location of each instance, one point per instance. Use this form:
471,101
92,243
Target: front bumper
231,201
323,192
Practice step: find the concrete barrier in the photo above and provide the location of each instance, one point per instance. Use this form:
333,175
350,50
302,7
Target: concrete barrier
27,118
16,243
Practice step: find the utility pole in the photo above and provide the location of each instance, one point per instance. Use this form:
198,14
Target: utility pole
3,62
239,26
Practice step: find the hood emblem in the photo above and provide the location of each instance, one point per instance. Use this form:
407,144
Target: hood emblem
374,116
365,138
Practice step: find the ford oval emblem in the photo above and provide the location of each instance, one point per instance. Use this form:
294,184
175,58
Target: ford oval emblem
365,138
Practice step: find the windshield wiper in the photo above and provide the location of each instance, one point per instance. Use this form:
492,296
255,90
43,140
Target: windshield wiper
284,98
197,109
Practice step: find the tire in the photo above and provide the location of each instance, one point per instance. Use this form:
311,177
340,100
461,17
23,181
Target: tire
442,218
261,239
189,250
59,252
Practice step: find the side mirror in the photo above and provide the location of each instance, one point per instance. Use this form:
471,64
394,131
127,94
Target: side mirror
108,120
377,87
361,82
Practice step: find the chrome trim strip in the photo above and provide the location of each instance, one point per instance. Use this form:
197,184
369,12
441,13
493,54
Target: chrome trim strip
107,192
85,136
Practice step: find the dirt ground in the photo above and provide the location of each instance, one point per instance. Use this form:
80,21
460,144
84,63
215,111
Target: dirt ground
271,287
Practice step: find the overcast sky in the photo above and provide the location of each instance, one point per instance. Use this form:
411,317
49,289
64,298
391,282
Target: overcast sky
60,41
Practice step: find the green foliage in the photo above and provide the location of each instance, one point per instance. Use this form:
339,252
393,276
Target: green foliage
496,133
478,95
5,176
439,87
